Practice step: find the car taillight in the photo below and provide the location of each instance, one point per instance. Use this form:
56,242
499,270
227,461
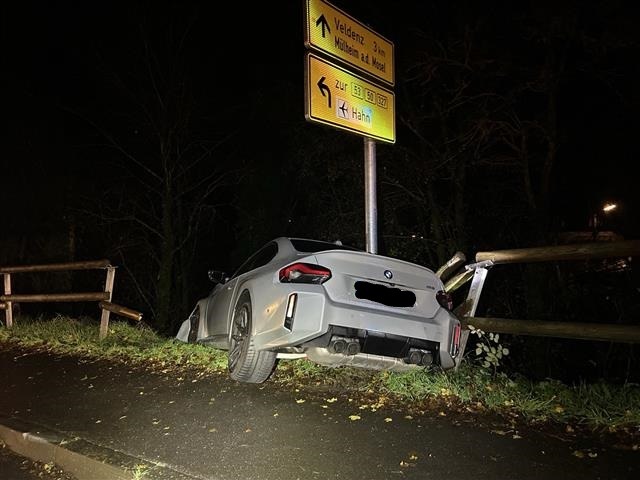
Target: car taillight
455,340
304,273
444,299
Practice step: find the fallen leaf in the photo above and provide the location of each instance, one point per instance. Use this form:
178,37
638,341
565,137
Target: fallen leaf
98,421
388,419
331,400
408,417
593,454
354,417
276,414
213,430
413,457
122,417
517,437
578,453
300,400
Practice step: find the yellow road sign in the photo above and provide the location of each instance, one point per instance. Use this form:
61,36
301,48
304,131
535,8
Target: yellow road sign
336,97
334,32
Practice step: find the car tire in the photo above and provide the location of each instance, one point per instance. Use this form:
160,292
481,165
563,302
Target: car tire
194,325
246,364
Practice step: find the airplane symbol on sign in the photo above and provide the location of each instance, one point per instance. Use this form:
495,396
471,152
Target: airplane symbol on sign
343,109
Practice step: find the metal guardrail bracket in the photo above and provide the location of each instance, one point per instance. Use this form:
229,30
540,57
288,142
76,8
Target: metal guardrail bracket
482,264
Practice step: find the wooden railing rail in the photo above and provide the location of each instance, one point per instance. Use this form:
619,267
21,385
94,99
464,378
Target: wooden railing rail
578,251
58,267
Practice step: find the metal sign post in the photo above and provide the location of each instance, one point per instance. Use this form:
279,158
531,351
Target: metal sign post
370,200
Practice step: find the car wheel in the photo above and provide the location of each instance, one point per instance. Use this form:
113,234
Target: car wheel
194,325
246,364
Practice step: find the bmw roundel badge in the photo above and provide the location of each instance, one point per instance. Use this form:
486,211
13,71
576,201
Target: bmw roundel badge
388,274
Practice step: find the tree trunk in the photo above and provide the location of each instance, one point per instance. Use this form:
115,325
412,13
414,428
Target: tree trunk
166,270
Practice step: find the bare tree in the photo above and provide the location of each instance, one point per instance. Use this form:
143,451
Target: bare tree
167,178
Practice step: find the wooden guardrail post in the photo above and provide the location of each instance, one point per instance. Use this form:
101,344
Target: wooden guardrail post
8,314
108,288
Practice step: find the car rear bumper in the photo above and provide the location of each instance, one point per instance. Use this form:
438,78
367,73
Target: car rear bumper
314,314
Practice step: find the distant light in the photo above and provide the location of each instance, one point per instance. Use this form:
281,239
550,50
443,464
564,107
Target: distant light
609,207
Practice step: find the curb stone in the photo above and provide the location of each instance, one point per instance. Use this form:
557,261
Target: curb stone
83,459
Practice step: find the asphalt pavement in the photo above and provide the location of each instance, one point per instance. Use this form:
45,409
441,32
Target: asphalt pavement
108,421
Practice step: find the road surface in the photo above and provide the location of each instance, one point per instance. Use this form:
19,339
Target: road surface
186,425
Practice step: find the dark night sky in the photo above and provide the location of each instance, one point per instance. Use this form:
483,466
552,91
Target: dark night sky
56,55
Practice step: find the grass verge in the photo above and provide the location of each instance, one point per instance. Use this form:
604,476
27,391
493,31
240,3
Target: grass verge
597,406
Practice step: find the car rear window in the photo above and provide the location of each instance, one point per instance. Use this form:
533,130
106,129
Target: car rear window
312,246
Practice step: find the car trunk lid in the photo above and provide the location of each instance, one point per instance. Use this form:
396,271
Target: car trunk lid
379,282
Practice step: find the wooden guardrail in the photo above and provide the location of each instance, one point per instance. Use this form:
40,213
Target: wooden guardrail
103,297
579,251
477,273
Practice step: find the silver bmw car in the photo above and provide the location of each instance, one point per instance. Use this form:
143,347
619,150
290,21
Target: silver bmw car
330,303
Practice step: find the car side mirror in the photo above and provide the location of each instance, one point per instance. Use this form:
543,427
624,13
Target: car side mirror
217,276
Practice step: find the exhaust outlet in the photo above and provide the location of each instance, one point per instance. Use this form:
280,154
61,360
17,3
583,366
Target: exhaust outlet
344,346
338,345
427,359
414,358
419,357
353,347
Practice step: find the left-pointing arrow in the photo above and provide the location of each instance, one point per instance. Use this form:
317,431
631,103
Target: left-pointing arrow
323,88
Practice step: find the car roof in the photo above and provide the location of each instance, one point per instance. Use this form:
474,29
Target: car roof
299,244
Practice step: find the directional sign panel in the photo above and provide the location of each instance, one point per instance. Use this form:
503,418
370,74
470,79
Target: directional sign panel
339,35
336,97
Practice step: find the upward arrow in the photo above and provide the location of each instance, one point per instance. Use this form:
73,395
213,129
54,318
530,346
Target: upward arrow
324,23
